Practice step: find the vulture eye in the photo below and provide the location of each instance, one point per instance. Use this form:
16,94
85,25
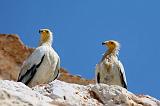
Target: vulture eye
47,31
112,43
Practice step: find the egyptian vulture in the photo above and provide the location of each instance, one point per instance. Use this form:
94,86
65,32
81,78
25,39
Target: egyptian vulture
110,70
43,65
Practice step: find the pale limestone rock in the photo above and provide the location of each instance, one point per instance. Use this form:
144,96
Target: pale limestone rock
17,94
74,94
94,95
59,93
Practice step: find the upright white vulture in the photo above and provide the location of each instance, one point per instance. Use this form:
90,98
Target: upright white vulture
43,65
110,70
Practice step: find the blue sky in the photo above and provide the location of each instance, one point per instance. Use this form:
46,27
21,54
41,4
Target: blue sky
79,27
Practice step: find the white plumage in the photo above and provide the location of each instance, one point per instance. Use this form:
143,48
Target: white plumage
110,70
43,65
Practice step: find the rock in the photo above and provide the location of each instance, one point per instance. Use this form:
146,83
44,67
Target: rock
17,94
59,93
12,54
94,95
74,94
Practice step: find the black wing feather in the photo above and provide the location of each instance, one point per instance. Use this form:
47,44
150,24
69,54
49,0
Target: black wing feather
122,80
30,73
56,75
58,69
98,77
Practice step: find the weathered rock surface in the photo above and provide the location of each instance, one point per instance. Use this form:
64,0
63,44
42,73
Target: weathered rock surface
17,94
12,55
94,95
59,93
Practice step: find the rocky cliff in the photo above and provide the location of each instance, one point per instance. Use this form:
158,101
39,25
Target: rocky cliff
68,90
59,93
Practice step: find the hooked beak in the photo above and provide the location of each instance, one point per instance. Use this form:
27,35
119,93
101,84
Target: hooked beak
40,31
103,43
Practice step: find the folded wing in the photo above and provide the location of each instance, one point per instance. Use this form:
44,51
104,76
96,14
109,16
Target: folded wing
122,75
29,67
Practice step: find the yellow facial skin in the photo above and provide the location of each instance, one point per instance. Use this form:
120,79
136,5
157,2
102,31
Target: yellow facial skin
113,48
111,45
44,35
